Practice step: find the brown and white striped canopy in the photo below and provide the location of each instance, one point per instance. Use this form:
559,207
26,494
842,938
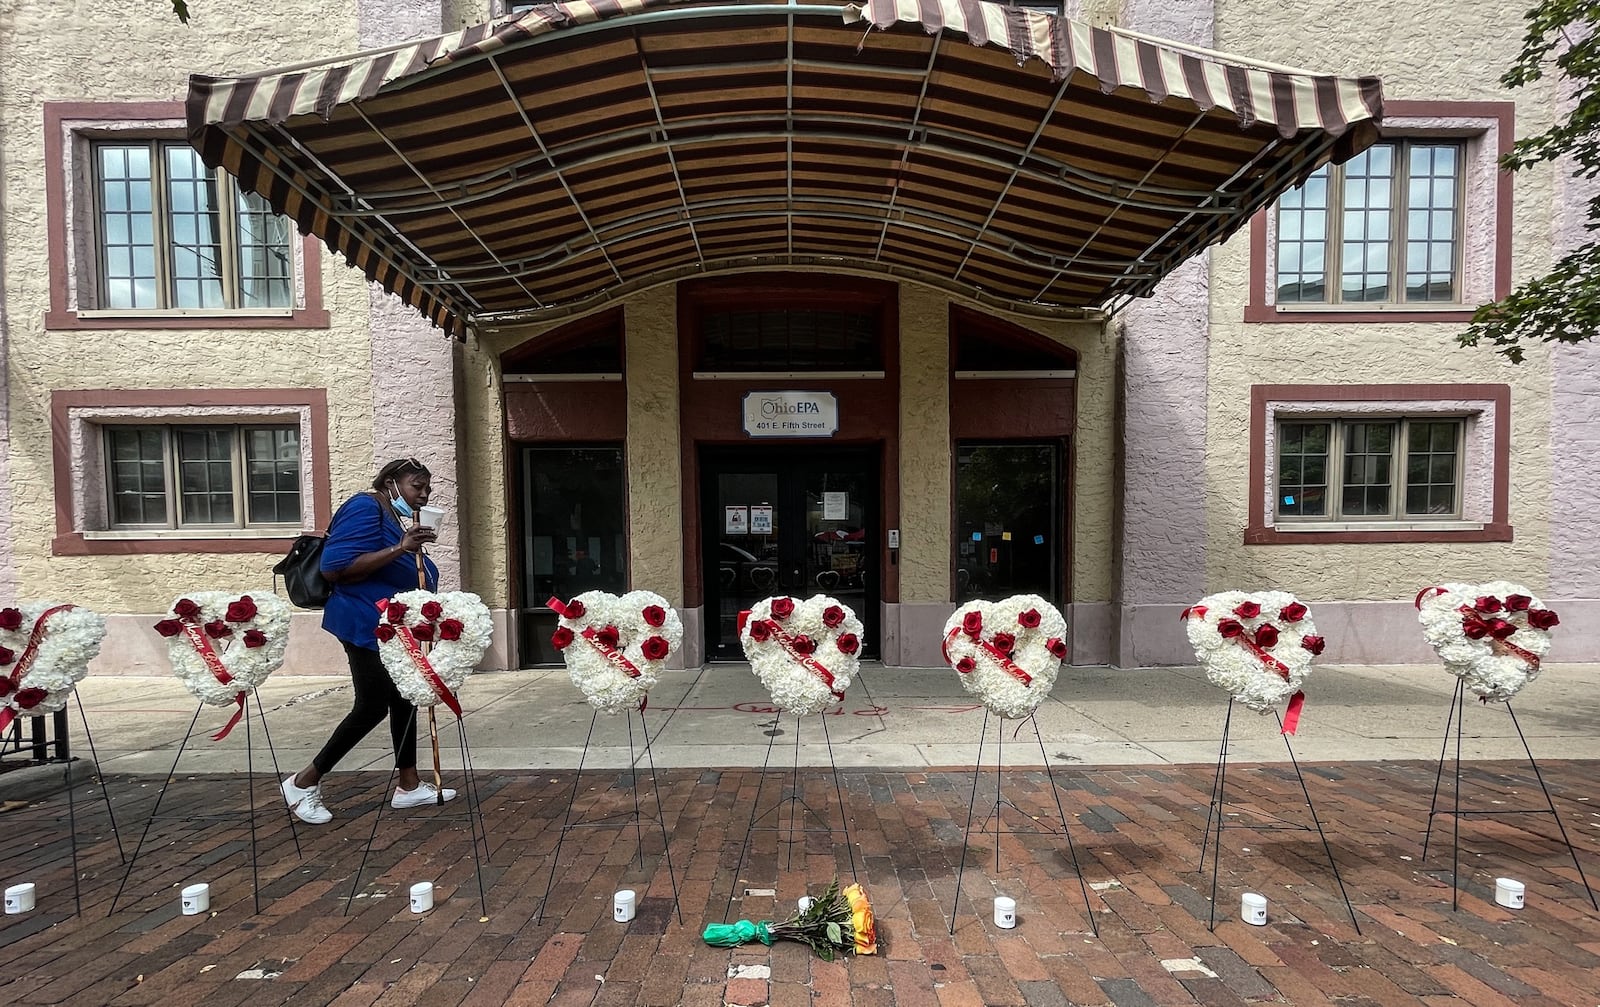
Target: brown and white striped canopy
546,162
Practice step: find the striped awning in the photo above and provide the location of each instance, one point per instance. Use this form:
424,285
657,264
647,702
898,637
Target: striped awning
552,160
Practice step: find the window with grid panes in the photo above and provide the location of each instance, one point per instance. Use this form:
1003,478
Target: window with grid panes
187,476
1388,468
173,234
1383,227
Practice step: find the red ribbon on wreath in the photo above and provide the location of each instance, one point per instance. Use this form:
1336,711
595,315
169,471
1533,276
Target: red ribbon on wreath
419,660
213,662
19,671
995,653
805,661
1297,702
614,657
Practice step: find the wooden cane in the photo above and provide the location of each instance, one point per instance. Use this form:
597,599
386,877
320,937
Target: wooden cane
427,646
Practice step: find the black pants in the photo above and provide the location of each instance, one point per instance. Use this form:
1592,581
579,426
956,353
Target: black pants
375,696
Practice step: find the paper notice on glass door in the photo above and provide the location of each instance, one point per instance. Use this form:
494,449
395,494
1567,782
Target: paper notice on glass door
761,520
835,506
736,520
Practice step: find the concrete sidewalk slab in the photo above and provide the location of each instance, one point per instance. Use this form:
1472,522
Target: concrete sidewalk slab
892,718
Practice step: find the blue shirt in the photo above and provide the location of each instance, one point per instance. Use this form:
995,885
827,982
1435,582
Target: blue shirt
360,526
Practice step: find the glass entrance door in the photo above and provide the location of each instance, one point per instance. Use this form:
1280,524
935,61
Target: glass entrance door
795,523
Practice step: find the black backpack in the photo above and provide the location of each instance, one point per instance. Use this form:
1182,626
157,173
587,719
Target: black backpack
301,571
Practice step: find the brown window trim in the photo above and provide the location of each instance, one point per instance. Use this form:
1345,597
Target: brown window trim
70,541
1257,309
1497,529
57,168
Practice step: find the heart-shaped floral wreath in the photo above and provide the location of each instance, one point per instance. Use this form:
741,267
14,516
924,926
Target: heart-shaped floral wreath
804,652
45,650
615,647
222,645
1257,645
431,642
1008,652
1491,635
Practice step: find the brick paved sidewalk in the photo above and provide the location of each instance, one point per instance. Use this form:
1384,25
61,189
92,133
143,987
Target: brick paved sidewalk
1137,833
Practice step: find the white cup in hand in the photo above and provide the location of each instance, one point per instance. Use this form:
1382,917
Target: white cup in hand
429,517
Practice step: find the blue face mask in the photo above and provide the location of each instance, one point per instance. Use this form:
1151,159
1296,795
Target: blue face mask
398,502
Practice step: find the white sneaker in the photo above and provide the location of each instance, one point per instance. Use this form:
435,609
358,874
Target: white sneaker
423,795
306,803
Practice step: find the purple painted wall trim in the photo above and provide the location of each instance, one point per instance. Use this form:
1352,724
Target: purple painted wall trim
1574,412
1162,535
414,364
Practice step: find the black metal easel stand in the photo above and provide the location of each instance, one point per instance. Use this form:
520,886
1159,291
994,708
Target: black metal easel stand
64,755
1000,801
1458,711
794,801
250,803
1219,785
622,818
473,814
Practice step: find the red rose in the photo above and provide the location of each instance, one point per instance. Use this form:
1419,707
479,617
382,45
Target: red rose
575,609
1057,647
1247,610
169,627
256,638
782,608
422,631
1518,602
6,657
432,610
450,629
832,616
848,644
965,665
385,632
1004,642
1474,628
10,618
396,612
760,630
242,610
1542,618
1315,644
609,636
1267,635
972,623
1500,629
804,644
561,638
1229,628
654,648
655,615
217,629
1488,604
186,610
6,686
1292,612
1029,619
27,699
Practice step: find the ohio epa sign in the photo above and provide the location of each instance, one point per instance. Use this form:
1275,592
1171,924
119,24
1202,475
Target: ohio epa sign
791,414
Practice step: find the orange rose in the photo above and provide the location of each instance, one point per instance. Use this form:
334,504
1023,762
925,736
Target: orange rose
866,932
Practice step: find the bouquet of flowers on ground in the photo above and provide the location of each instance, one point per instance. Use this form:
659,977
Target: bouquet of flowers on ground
1490,635
838,921
45,649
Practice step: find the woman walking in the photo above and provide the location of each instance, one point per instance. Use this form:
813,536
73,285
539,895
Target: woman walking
371,553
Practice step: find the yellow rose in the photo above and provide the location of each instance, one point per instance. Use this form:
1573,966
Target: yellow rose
866,932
